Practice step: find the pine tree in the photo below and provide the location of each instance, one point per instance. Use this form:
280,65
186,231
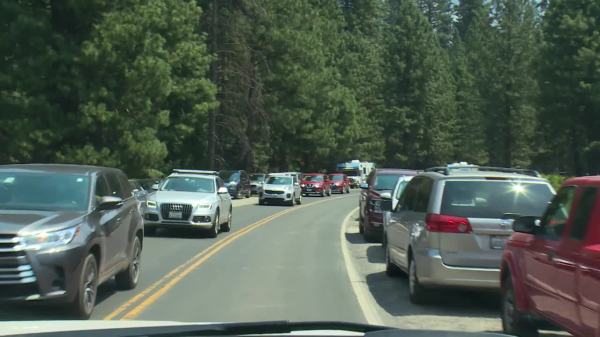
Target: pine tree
439,14
570,84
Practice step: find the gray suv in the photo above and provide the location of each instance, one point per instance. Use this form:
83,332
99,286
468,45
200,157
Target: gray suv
64,230
451,223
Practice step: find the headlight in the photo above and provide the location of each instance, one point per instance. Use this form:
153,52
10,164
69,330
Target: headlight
45,240
151,203
302,185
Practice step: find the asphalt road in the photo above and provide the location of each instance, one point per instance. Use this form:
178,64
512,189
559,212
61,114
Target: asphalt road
297,263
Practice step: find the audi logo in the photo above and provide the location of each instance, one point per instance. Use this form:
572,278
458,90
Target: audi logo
176,207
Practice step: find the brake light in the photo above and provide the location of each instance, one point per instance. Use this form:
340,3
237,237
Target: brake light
447,224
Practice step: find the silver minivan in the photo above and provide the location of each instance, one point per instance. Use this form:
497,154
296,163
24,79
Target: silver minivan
450,225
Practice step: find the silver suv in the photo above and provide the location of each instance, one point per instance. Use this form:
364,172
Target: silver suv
451,223
192,199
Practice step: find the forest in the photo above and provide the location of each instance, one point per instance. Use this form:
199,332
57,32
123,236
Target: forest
149,85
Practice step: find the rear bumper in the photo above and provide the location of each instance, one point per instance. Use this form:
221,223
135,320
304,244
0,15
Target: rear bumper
432,271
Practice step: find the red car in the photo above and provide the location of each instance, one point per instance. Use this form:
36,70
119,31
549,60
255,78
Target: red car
339,183
315,183
551,266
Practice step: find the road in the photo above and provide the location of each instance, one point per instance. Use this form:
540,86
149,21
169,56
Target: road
297,263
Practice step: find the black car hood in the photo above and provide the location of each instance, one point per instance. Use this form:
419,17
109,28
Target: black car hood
13,222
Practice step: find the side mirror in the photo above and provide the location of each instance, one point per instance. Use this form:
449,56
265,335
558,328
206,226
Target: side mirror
526,224
109,202
364,186
155,187
222,190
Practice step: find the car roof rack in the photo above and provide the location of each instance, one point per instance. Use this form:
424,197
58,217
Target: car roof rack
204,172
463,167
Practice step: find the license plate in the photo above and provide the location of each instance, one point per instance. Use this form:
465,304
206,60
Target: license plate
497,242
309,190
175,215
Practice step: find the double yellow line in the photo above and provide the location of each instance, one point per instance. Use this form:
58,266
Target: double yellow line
140,302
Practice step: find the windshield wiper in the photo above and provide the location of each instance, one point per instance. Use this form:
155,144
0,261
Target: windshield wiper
221,329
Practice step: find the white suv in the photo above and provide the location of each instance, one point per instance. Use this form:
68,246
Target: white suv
282,187
192,199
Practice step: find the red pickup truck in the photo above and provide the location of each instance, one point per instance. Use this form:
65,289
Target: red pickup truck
315,183
340,183
551,266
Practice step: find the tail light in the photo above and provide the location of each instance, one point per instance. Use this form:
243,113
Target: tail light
447,224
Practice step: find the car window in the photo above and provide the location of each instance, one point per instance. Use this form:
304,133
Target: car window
279,180
102,188
126,189
557,215
220,182
494,198
44,191
189,184
401,186
385,181
582,213
423,195
114,185
409,196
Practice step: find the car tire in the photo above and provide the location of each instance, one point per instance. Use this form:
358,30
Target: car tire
361,228
323,193
87,290
513,321
248,194
128,279
299,200
329,192
416,292
238,195
227,226
215,228
291,203
261,202
391,269
149,231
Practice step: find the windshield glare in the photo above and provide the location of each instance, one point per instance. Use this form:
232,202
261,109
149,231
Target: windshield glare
279,181
188,184
44,191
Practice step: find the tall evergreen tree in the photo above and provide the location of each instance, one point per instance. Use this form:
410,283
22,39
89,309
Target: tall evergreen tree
439,13
570,84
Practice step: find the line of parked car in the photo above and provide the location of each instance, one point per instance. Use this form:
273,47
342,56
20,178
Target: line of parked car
467,226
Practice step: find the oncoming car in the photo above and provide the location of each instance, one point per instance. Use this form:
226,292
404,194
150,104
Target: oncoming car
64,230
190,199
281,187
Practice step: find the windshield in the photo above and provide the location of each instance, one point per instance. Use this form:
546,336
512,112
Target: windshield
385,182
44,191
279,181
352,173
494,199
230,176
188,184
257,177
198,100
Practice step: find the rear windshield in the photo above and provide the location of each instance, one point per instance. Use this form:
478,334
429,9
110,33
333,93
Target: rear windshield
494,199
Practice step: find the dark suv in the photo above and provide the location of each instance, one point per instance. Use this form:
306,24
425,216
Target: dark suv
64,230
380,181
237,183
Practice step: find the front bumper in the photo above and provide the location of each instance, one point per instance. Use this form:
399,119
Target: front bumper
51,274
312,190
432,271
153,219
285,196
